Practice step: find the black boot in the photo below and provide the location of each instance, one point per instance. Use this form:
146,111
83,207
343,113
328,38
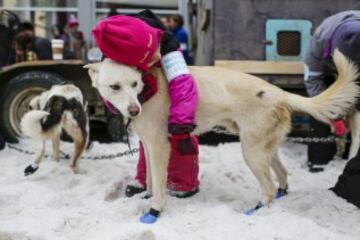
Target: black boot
314,168
183,194
132,190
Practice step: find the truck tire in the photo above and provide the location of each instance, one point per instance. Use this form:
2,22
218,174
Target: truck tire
16,96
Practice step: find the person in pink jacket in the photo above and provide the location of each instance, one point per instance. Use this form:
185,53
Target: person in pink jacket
142,41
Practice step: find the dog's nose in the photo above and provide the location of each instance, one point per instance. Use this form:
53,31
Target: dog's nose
133,110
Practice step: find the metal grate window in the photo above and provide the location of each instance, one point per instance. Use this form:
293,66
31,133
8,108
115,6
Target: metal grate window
289,43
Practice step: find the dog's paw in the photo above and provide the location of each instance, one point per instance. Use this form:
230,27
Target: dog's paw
31,169
270,196
150,217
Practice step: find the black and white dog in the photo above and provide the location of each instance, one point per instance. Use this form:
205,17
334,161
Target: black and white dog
61,107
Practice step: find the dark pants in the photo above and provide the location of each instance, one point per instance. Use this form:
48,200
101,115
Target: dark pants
348,184
2,143
320,153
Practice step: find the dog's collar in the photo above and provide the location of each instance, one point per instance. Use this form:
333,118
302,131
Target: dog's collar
150,88
109,106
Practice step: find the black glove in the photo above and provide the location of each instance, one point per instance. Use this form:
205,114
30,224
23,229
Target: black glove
184,143
168,43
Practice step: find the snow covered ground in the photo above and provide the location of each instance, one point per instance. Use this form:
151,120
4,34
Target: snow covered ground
55,204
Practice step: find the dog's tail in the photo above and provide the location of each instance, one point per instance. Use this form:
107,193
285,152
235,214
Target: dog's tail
335,100
31,124
40,124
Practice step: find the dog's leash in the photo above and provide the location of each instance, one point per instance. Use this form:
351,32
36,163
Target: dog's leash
116,112
127,135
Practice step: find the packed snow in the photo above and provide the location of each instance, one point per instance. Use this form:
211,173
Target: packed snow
55,204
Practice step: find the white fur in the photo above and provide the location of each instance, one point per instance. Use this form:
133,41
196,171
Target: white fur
122,76
67,91
30,124
249,106
331,103
354,125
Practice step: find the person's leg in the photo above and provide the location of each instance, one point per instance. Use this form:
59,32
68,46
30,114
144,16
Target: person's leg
2,142
183,172
141,167
347,185
319,153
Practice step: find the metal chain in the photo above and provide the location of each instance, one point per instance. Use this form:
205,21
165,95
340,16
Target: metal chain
312,139
222,130
27,152
217,129
112,156
67,156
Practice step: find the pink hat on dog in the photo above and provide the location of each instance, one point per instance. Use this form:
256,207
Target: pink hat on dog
127,40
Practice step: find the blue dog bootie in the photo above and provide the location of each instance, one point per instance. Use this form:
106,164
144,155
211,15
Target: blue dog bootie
150,217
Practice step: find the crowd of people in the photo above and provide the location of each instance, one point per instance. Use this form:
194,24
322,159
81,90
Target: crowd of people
26,46
74,41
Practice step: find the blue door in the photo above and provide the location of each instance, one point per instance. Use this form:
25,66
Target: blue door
287,40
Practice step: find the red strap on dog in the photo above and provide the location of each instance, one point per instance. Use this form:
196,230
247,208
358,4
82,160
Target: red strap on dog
108,105
150,88
339,127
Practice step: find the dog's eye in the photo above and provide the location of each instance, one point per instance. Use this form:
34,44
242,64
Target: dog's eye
134,84
115,87
30,107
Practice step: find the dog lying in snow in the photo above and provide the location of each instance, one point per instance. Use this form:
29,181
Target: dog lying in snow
61,107
256,110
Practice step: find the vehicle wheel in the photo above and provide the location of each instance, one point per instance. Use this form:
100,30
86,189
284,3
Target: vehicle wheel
116,127
16,98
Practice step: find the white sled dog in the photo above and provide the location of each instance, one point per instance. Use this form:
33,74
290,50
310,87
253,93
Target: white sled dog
256,110
61,107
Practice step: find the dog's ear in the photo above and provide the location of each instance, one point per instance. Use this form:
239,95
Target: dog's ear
94,73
